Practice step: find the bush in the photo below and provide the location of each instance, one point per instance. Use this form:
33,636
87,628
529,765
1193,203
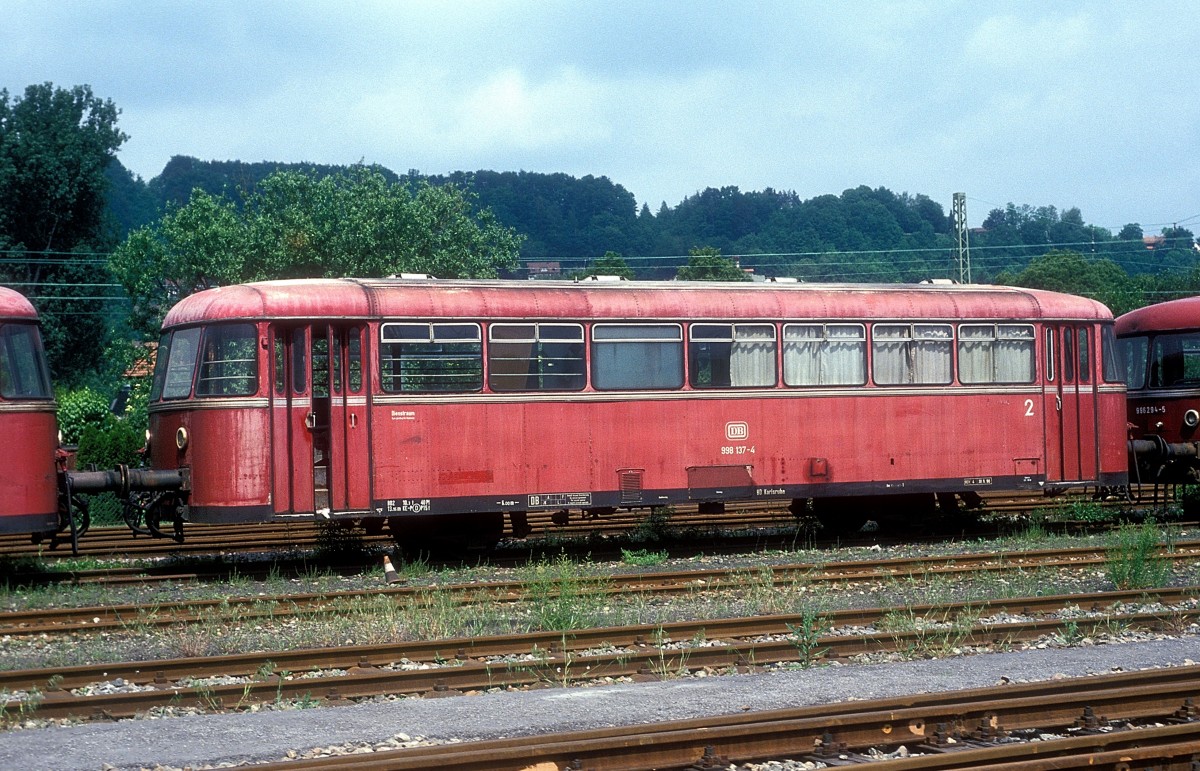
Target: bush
109,442
104,445
79,409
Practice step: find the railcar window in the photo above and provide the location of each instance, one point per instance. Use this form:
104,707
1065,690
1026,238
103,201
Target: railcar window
299,360
181,363
22,363
1068,356
229,366
824,354
637,356
335,361
731,355
1175,360
904,354
1133,353
1085,356
1110,355
430,358
320,362
280,368
1051,369
161,355
354,356
995,353
536,357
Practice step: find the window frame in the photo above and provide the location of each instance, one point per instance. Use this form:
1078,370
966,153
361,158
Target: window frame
24,363
474,385
825,340
910,353
732,339
598,364
207,366
997,337
174,368
539,365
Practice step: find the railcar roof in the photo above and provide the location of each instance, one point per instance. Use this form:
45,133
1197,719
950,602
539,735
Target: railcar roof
1172,315
684,300
14,305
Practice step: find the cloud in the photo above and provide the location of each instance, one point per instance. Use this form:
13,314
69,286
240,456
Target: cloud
1071,103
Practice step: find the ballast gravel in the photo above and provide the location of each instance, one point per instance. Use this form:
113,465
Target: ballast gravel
200,741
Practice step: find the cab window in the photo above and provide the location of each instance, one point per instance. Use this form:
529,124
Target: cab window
23,372
229,364
180,352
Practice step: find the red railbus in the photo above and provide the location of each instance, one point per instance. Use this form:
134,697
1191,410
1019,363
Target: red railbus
455,402
1160,347
29,483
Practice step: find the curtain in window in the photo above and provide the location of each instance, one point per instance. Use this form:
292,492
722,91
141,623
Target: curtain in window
845,359
890,360
1014,354
752,358
976,353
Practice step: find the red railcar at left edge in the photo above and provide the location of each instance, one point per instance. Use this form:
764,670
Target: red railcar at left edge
29,481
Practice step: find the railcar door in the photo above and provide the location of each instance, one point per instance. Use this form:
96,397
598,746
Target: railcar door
1071,446
319,428
341,417
291,420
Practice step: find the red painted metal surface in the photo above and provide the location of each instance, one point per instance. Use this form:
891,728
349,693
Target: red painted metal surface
13,305
364,452
362,298
1179,315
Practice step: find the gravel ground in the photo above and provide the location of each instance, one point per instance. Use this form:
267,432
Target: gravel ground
208,740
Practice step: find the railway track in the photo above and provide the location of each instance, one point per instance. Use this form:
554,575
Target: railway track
657,651
299,535
107,618
1124,721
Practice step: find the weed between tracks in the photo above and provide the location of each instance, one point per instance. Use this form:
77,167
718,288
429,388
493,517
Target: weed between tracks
564,594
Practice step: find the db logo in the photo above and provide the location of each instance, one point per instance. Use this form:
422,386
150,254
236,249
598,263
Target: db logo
737,430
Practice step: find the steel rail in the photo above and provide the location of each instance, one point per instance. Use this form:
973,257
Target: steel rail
957,729
121,616
517,661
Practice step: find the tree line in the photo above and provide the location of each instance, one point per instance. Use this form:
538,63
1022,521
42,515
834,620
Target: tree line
76,226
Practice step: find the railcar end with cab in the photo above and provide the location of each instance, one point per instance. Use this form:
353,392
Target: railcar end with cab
1160,346
29,484
457,402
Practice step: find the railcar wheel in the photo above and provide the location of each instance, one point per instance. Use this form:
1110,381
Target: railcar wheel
80,513
74,519
144,513
447,533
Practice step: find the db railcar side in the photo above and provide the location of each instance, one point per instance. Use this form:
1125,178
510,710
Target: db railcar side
29,482
403,399
1161,351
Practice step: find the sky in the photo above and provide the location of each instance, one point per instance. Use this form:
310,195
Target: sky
1068,104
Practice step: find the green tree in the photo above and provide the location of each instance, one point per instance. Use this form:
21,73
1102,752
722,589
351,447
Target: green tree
611,264
55,148
297,225
1072,273
706,264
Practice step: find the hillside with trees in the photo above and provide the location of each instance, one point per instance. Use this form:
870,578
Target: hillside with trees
98,248
863,234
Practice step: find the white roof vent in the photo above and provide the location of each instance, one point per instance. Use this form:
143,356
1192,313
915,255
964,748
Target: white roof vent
605,279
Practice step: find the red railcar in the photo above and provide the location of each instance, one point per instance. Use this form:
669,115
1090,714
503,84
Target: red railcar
1161,351
407,399
29,482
